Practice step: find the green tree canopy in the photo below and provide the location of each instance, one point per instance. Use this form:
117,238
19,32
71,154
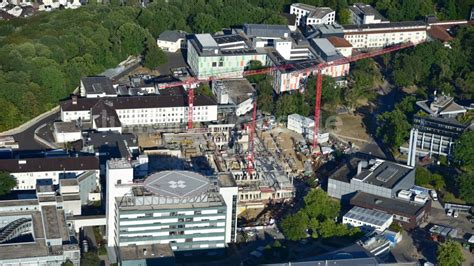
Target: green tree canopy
465,183
7,183
450,254
464,150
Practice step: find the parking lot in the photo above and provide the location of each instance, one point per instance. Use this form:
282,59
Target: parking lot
462,223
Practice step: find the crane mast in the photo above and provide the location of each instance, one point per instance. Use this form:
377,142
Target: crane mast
317,109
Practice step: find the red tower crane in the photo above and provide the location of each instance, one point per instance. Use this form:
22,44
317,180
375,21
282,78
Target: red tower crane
318,69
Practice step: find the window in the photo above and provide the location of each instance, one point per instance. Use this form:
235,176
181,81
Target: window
221,64
214,64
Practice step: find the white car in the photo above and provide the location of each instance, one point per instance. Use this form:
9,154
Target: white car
450,212
434,195
455,214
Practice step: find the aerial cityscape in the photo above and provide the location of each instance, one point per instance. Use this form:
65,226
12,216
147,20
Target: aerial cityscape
237,132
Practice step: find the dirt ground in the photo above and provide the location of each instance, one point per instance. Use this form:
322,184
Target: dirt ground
286,140
144,70
149,139
349,128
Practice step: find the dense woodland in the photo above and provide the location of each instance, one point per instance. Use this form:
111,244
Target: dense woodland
43,57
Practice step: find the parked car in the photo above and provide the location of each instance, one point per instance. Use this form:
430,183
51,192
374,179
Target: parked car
456,214
434,195
450,212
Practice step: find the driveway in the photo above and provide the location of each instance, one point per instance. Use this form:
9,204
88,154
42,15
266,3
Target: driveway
26,139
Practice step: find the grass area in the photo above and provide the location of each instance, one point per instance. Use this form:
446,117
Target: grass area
102,251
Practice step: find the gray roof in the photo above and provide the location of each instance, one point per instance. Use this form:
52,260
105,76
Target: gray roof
389,205
266,30
206,40
177,184
49,164
369,216
171,35
328,50
361,10
136,102
98,85
383,173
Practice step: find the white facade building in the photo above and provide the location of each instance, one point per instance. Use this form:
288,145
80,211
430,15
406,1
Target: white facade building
385,34
365,14
368,219
171,41
180,208
114,113
310,15
28,171
65,132
237,92
305,126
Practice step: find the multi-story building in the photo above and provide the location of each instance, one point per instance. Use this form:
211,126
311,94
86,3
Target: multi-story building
180,208
28,171
221,56
117,112
342,45
311,15
292,75
435,132
385,34
238,93
365,14
98,86
408,214
305,126
367,219
35,231
374,176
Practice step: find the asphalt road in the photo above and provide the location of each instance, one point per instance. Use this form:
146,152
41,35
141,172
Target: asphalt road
26,138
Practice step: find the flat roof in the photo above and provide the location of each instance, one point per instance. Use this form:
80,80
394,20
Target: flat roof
66,127
177,184
383,173
206,40
389,205
114,144
377,172
369,216
49,164
266,30
361,10
239,90
226,180
68,182
51,220
138,252
98,85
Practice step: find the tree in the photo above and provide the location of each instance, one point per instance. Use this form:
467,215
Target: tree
422,176
464,150
344,16
294,226
90,258
465,183
393,128
205,23
154,56
7,183
204,89
450,254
